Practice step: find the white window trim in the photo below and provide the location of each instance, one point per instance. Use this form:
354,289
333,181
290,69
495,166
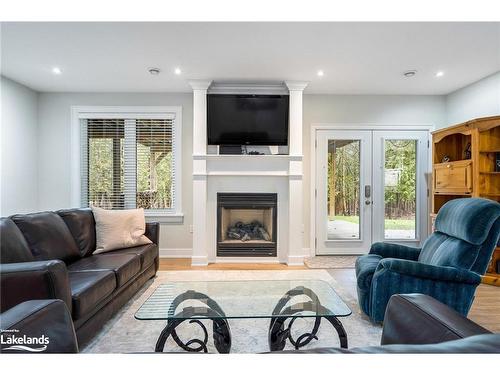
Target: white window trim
78,113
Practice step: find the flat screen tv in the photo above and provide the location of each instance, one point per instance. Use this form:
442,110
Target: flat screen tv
247,120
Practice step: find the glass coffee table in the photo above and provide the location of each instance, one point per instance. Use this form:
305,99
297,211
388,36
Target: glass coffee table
280,301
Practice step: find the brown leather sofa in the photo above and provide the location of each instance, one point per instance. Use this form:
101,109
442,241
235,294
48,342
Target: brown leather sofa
48,255
417,323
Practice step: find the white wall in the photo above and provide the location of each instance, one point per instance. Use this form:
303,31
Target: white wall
48,166
479,99
55,149
364,109
36,175
18,142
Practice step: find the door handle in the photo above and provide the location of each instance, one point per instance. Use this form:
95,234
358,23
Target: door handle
368,201
368,191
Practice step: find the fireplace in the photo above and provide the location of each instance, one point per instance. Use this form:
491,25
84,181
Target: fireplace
246,224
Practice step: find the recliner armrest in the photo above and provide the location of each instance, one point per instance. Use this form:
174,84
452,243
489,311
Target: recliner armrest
153,232
428,271
37,318
393,250
421,319
26,281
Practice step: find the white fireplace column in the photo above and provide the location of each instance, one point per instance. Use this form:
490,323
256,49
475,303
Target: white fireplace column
199,255
295,175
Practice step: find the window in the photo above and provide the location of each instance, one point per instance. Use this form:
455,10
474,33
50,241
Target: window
130,160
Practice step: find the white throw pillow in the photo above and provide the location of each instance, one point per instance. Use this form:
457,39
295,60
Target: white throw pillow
118,229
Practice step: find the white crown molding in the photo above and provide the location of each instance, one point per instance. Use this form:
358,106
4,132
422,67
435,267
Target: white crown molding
269,88
199,84
296,85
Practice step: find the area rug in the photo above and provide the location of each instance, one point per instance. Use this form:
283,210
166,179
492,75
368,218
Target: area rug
331,261
124,334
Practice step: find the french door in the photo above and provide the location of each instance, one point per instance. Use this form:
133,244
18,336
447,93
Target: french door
370,186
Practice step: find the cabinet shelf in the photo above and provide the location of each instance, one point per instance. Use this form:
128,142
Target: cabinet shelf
489,151
459,194
454,162
493,173
489,194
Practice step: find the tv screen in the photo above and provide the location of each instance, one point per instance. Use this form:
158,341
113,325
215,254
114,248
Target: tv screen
247,120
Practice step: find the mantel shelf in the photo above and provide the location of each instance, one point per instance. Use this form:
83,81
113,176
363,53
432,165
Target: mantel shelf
249,174
247,157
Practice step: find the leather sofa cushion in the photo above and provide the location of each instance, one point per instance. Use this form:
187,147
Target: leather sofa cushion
125,266
147,253
479,344
47,236
88,288
81,224
14,247
365,268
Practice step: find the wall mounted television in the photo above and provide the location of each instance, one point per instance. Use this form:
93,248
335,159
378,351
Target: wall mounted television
257,120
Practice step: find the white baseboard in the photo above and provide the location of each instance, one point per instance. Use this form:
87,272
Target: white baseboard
176,253
199,260
261,260
294,260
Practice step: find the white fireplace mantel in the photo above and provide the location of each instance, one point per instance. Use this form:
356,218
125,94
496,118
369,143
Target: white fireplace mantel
281,174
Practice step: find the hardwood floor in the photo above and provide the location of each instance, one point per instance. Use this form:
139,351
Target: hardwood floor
184,264
485,310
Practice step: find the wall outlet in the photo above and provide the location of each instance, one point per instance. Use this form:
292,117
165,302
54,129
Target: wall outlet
191,229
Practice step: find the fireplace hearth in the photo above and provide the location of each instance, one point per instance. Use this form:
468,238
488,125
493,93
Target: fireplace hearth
246,224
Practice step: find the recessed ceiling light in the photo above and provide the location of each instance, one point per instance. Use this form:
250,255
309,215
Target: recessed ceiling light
410,73
320,73
439,74
154,71
178,71
56,70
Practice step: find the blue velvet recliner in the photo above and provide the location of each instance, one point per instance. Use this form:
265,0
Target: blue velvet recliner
448,267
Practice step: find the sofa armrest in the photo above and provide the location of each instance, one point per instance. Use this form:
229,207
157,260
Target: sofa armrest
427,271
153,232
26,281
392,250
34,319
420,319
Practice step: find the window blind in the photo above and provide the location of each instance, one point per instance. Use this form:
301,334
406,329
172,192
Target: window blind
128,163
155,163
103,169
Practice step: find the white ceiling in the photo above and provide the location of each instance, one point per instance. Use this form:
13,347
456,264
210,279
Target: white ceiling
357,58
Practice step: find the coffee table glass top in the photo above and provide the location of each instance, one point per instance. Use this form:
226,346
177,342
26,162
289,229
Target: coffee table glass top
242,299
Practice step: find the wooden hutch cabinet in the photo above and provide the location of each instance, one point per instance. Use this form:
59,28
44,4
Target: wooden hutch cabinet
465,161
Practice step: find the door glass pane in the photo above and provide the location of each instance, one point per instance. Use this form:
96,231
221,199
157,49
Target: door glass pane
400,188
343,189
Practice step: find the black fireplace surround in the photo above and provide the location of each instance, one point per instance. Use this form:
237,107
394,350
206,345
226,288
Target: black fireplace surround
247,224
